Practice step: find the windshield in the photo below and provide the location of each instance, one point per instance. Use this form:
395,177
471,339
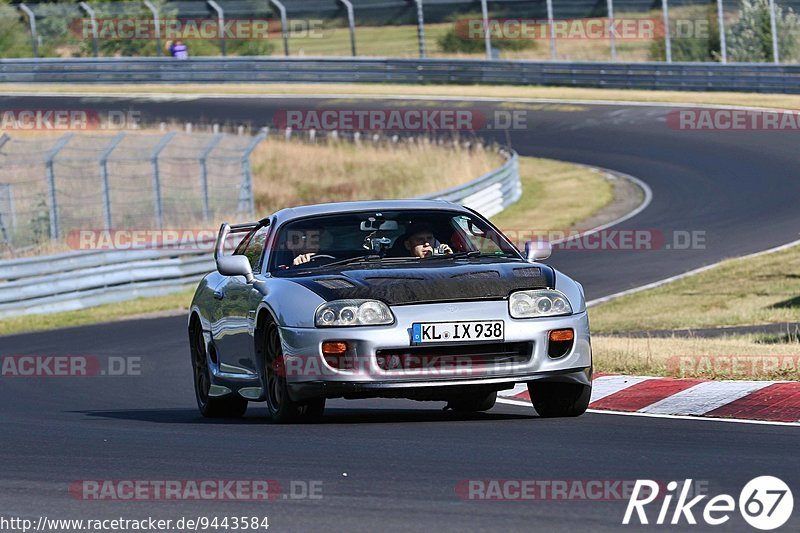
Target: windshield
408,235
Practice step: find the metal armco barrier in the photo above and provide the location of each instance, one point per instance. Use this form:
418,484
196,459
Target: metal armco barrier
489,194
750,77
77,280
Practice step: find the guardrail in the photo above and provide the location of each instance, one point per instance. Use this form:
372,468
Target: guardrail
749,77
77,280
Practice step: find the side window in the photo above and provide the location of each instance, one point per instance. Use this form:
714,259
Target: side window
253,248
478,239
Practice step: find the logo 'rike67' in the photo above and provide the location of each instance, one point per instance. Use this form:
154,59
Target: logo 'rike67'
765,503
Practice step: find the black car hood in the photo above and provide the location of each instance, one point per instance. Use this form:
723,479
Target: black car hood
436,281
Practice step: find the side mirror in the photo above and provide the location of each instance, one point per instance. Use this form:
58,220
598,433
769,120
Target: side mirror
538,250
235,265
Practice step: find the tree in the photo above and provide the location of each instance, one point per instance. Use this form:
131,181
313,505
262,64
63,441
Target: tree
15,38
751,37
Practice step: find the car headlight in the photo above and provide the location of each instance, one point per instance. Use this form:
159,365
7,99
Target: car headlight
353,313
534,304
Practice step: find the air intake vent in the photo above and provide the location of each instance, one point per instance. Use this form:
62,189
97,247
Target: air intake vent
376,280
477,275
531,272
334,283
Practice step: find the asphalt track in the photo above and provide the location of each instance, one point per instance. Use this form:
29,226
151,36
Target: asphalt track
403,460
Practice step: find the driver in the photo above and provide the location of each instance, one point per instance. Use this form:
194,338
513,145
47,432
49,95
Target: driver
305,244
420,243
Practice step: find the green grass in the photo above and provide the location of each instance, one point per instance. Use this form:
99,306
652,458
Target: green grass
762,290
556,196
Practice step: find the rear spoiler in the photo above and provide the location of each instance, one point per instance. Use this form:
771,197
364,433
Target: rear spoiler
227,229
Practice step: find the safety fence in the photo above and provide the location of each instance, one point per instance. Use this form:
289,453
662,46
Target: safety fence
53,186
625,30
77,280
654,75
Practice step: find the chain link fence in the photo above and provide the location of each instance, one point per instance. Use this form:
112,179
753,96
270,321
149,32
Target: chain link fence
54,186
564,30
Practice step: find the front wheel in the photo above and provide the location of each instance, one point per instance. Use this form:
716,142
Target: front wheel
281,407
556,399
209,406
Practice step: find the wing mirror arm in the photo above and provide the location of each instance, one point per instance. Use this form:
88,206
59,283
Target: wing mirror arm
231,265
538,250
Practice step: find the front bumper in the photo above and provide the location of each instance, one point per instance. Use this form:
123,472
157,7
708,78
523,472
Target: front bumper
309,375
430,389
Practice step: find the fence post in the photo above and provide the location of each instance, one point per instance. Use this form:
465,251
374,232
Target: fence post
773,28
3,229
667,36
723,47
246,193
420,28
32,21
220,24
55,229
204,175
611,34
104,177
157,24
486,31
4,138
93,19
12,213
9,201
284,25
4,233
550,24
351,21
157,177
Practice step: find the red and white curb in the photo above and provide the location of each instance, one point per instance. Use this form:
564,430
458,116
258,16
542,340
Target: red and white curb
765,401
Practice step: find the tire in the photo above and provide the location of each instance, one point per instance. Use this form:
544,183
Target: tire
282,409
210,407
473,403
556,399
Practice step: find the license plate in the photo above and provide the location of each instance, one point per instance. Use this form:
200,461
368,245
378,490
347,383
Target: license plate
439,332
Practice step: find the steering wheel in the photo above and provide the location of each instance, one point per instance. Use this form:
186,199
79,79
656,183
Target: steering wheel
320,256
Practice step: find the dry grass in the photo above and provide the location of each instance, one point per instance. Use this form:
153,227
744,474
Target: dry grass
455,91
557,196
299,169
290,174
761,290
724,358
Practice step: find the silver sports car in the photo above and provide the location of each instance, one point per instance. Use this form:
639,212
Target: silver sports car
401,299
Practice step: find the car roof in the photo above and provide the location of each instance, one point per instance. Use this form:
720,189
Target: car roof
293,213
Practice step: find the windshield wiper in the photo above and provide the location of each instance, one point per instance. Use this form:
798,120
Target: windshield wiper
468,253
359,259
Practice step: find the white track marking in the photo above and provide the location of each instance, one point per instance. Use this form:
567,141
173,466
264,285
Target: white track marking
704,397
646,190
608,385
521,403
519,388
664,281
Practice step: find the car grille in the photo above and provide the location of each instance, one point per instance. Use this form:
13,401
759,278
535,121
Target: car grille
452,357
